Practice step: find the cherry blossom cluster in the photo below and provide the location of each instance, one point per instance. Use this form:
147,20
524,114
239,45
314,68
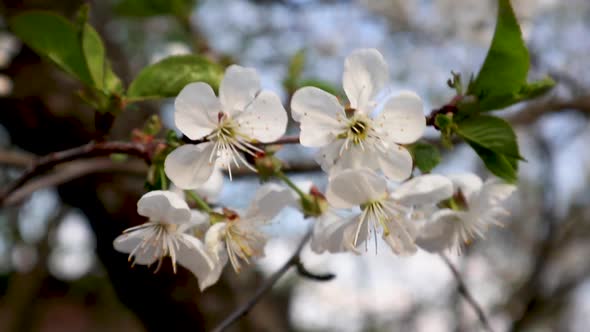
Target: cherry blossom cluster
361,146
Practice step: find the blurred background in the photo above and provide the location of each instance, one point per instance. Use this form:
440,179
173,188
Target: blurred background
58,271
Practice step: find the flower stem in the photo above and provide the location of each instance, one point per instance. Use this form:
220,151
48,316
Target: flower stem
292,185
201,204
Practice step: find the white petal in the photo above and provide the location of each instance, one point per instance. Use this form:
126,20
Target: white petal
333,234
468,183
356,157
402,119
269,200
164,206
319,113
396,164
351,232
497,191
492,194
215,241
400,242
189,166
198,224
193,255
211,189
439,232
350,188
424,189
196,110
365,75
265,119
126,243
238,88
328,155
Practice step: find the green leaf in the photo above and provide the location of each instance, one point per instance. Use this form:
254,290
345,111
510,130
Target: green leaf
535,89
98,65
502,79
167,77
147,8
426,156
54,37
296,65
502,166
294,71
78,51
490,132
506,65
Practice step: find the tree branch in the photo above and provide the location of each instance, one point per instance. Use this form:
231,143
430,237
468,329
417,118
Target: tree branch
72,171
264,288
284,140
91,149
534,110
464,291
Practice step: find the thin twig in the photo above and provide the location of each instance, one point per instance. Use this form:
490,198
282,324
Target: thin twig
263,289
91,149
464,291
304,272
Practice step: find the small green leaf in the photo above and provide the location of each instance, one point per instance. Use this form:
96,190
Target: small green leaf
502,79
167,77
294,71
527,91
147,8
535,89
426,156
502,166
100,69
506,65
78,51
54,37
490,132
296,65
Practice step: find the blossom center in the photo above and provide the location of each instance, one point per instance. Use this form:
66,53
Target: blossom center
357,131
241,244
230,143
160,239
457,202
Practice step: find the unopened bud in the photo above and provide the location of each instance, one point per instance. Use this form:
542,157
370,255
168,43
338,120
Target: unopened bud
267,165
314,204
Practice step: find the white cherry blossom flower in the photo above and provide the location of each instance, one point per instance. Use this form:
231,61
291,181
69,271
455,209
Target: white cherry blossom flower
230,125
473,207
355,136
240,238
380,214
165,234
